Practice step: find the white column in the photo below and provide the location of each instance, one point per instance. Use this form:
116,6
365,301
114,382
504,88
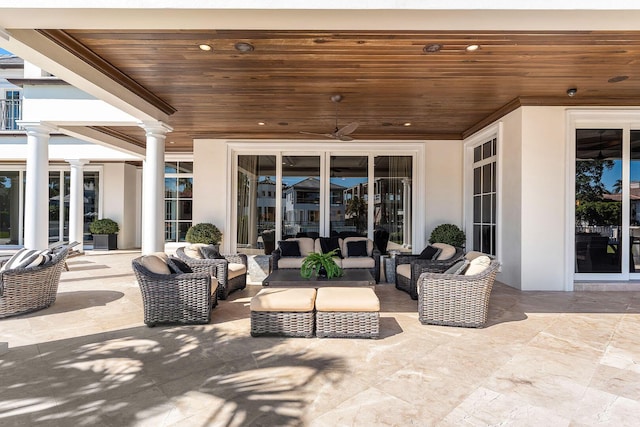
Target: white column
76,203
36,204
153,188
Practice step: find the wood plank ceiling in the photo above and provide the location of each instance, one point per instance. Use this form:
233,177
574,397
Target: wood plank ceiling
388,79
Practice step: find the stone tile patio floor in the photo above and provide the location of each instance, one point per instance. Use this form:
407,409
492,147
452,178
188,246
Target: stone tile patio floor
553,359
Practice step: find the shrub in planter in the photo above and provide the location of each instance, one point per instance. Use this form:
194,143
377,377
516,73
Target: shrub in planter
204,233
104,234
448,233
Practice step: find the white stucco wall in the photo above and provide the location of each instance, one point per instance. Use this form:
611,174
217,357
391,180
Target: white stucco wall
509,201
210,186
543,198
120,201
443,186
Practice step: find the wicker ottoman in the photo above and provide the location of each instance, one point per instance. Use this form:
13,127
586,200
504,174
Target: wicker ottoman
347,313
284,312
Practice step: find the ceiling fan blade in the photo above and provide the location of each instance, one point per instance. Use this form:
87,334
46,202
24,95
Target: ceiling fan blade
345,138
346,130
326,135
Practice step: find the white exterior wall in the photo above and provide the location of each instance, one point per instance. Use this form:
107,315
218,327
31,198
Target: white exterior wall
210,187
509,199
443,185
119,201
543,198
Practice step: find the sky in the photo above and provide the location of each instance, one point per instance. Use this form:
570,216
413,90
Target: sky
4,52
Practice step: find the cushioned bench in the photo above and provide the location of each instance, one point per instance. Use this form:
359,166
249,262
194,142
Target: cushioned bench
284,312
347,313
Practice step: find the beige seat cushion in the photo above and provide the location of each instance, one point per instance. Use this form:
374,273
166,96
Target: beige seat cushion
155,263
404,270
358,262
347,299
284,299
478,265
290,262
193,250
344,244
235,270
448,251
471,255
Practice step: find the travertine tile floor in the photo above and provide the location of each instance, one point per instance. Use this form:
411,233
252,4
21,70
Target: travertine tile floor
545,359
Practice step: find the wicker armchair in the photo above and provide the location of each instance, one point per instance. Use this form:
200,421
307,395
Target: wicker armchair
175,298
33,288
220,269
419,266
455,300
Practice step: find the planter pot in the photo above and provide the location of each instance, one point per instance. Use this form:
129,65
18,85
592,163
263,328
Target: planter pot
105,242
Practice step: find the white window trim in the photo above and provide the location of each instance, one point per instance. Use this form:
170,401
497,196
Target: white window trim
487,134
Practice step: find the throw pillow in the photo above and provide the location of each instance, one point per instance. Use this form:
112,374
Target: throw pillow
211,252
430,252
155,264
178,266
478,265
458,268
327,244
289,248
447,252
357,248
21,259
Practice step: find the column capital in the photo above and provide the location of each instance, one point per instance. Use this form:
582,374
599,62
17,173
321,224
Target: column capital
77,162
37,128
156,129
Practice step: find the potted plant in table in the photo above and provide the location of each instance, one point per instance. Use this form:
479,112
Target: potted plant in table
320,265
104,233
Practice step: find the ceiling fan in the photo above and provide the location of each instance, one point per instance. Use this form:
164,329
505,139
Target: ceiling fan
338,133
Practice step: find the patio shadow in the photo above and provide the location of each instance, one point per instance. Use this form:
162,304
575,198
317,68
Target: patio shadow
156,373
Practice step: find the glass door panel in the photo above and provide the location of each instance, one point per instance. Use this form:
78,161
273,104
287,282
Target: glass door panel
392,204
9,207
598,241
348,179
300,196
56,206
634,203
256,209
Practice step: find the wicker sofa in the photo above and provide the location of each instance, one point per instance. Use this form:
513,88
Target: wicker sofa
454,299
231,271
409,267
173,297
307,245
23,290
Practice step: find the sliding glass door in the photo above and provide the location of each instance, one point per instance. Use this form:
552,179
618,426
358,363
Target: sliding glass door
283,195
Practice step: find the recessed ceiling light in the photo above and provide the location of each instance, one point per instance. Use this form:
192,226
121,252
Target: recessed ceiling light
283,123
472,47
406,124
431,48
172,142
261,123
617,79
205,47
244,47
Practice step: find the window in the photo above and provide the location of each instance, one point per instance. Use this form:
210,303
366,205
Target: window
178,200
10,110
484,197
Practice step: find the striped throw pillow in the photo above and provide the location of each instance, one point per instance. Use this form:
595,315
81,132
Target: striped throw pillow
21,259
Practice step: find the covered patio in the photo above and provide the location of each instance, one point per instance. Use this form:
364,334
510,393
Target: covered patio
544,358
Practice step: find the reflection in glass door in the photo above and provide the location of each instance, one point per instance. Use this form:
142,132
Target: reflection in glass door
348,178
9,207
392,204
599,243
634,203
301,196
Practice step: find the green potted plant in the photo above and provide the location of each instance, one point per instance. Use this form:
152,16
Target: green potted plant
320,265
104,233
204,233
450,234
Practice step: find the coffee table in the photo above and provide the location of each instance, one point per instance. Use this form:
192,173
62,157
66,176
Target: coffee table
292,278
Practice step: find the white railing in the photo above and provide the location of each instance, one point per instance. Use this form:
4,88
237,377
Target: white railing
10,111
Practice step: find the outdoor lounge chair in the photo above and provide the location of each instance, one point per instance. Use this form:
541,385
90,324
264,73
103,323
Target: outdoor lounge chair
231,271
23,290
419,266
455,299
175,297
